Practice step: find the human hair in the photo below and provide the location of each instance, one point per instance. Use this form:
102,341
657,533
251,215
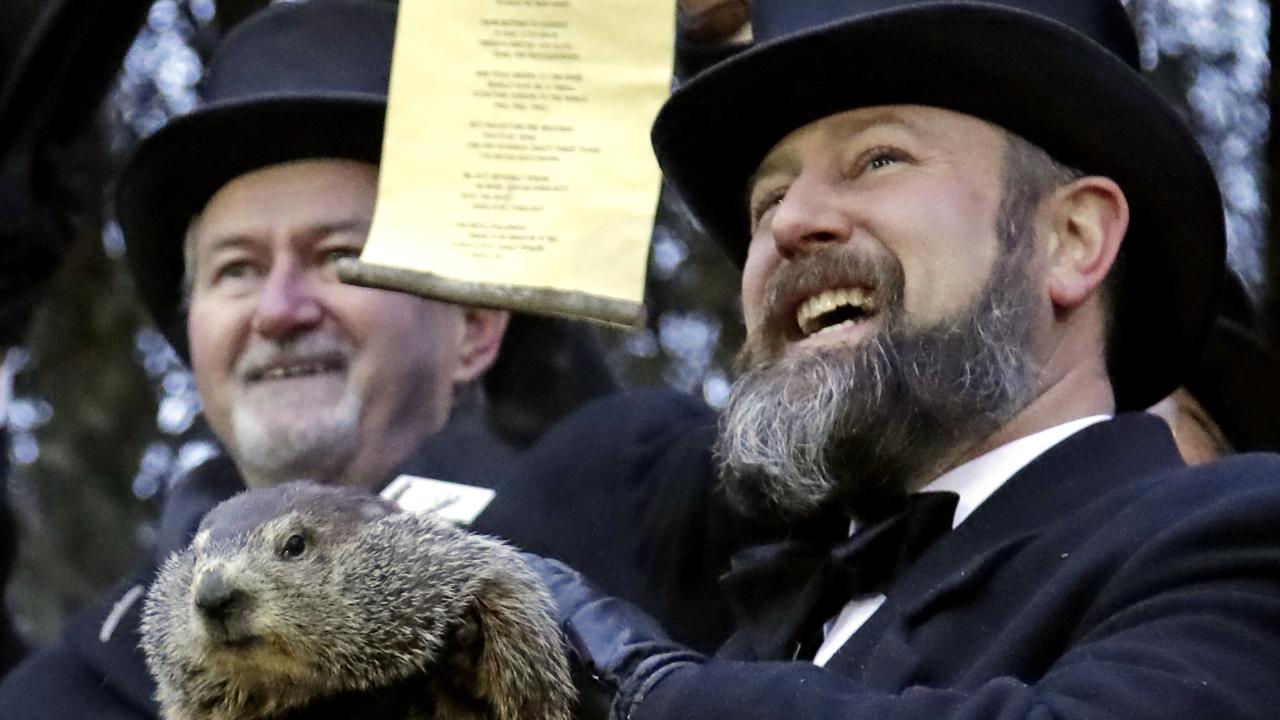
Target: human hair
189,260
1029,174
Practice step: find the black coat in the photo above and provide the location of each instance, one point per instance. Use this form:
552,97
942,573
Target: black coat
1105,580
11,648
587,493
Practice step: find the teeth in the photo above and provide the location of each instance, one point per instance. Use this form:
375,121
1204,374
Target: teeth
290,371
811,310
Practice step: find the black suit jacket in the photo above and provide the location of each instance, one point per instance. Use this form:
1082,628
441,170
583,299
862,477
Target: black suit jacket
1104,580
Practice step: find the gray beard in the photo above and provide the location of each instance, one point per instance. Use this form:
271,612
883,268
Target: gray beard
859,425
318,448
316,443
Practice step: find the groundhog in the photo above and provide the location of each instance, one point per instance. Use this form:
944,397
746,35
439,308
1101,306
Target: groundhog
303,601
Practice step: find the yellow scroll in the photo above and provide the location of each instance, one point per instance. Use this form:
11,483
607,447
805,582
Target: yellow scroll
516,168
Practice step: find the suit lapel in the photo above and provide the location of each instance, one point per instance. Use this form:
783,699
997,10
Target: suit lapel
1097,460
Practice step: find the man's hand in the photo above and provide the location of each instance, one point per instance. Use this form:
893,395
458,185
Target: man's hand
713,21
617,653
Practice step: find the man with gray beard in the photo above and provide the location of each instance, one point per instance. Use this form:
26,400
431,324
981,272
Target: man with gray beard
861,421
234,217
975,245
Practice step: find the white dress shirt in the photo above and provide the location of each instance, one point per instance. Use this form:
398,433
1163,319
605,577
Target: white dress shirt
974,482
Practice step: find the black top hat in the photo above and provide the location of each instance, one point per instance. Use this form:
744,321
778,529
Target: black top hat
294,81
1061,73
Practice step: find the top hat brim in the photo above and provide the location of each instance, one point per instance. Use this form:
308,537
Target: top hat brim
1032,76
172,175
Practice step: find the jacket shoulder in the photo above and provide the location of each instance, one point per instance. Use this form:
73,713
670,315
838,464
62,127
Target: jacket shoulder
1252,478
87,672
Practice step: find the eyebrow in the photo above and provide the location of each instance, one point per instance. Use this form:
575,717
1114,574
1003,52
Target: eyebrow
889,117
316,230
771,164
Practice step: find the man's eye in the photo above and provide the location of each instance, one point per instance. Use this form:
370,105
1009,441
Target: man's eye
335,254
881,158
234,270
764,203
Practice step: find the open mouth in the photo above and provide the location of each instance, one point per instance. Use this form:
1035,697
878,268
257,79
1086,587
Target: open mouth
834,309
286,369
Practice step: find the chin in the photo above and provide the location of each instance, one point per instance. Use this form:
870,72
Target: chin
284,449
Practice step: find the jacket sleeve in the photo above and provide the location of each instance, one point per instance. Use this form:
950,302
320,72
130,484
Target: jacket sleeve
1189,627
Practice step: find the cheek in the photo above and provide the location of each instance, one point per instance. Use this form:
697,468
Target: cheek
761,262
213,334
402,338
407,358
950,264
214,343
943,284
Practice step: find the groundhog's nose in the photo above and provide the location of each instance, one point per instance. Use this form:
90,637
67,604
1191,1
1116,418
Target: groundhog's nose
217,598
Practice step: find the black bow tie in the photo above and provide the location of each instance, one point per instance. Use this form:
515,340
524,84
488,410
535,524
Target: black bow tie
781,593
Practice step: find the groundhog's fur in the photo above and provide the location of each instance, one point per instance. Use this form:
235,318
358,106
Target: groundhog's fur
382,614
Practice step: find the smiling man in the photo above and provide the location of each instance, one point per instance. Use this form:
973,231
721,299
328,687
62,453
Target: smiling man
882,236
234,216
300,374
973,242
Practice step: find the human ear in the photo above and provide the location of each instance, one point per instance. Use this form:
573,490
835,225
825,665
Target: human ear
1088,220
481,338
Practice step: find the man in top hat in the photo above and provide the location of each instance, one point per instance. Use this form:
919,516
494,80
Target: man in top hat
972,241
233,216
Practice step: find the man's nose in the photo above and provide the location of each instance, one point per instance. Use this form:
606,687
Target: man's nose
287,303
808,218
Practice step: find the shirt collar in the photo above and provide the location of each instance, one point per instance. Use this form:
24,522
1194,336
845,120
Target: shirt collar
977,479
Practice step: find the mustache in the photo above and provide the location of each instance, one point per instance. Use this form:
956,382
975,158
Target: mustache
879,273
316,348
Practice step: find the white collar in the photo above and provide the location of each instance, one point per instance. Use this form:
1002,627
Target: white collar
976,480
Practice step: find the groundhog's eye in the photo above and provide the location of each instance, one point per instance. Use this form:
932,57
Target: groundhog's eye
294,546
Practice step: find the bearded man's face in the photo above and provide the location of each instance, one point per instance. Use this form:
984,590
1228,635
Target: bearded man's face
890,307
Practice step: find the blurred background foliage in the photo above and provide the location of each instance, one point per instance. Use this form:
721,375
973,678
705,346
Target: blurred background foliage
104,412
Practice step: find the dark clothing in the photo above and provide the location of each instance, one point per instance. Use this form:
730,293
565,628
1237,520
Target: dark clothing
1104,580
11,648
631,479
585,494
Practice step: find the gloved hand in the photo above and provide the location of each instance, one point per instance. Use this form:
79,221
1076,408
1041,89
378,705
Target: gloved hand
616,651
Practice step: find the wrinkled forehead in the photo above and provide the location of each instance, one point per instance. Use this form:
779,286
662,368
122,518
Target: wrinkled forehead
299,196
929,126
